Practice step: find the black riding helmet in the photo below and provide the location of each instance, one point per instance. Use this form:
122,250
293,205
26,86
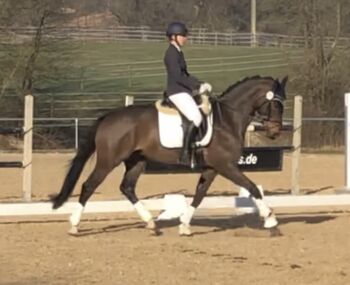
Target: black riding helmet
176,28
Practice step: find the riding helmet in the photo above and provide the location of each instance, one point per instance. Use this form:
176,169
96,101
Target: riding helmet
176,28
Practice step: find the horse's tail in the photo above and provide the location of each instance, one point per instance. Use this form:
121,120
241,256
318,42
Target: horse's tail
85,151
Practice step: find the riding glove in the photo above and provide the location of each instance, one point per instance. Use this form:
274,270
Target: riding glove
205,87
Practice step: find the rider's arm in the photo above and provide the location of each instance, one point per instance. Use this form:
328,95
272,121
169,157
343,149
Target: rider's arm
174,71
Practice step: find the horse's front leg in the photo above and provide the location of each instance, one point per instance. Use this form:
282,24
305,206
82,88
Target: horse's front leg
204,182
232,172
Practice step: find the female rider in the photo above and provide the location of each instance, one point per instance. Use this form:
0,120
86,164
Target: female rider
180,85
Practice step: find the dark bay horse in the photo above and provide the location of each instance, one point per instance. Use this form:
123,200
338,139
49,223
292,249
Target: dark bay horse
130,135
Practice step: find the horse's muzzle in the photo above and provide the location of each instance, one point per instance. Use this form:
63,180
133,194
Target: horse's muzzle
273,129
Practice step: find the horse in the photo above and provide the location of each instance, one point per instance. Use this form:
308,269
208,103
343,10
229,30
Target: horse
130,135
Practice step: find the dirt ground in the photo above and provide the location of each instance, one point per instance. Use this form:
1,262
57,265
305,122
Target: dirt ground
225,249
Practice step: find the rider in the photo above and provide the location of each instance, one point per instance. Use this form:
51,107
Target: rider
180,85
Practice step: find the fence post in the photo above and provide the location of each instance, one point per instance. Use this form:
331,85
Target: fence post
76,124
130,75
28,148
247,138
129,100
297,121
143,34
52,108
253,23
347,141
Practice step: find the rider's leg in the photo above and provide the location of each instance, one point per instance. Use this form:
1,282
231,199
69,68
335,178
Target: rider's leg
188,107
189,134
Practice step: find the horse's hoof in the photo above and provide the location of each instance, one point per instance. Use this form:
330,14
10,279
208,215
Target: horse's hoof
151,225
155,232
185,230
153,229
270,222
73,231
275,232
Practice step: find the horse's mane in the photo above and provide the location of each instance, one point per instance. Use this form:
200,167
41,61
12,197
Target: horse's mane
239,83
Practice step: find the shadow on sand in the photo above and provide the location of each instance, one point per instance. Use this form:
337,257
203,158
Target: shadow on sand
243,225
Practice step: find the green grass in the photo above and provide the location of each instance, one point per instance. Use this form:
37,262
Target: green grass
122,66
109,70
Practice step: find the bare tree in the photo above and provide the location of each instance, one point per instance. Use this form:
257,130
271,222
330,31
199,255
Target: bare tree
28,64
322,78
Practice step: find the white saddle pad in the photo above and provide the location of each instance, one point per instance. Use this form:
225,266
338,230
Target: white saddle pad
171,132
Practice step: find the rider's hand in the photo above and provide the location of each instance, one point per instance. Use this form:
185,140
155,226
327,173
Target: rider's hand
205,87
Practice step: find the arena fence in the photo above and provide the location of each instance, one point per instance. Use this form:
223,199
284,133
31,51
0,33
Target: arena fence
275,201
146,34
347,141
26,163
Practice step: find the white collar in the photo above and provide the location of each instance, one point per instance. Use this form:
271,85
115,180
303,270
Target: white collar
176,45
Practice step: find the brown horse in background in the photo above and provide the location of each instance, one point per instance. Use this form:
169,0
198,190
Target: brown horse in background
129,135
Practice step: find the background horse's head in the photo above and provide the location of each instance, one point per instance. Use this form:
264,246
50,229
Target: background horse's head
270,106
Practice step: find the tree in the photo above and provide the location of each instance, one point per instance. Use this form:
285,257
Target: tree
323,77
41,62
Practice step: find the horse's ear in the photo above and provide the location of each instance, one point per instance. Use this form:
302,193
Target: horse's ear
284,81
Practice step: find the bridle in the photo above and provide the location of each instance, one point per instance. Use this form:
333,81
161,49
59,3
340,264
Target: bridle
270,98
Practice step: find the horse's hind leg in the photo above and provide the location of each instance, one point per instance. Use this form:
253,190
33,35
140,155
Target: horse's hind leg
203,185
231,172
97,176
134,166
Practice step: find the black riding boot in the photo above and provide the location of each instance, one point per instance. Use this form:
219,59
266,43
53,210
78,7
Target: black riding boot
186,148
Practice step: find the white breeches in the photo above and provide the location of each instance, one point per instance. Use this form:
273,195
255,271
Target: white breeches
187,106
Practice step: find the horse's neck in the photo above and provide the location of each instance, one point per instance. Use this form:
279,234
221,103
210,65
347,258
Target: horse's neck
234,121
238,108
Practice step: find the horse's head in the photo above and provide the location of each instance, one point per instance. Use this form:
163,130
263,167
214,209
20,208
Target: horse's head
270,106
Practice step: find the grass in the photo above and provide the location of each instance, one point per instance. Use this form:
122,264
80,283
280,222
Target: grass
109,70
124,66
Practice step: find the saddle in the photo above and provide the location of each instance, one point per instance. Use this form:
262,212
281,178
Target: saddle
165,106
203,102
171,126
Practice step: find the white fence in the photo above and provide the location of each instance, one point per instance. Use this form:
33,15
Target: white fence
197,36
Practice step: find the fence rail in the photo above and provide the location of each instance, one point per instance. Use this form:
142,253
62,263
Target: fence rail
197,36
77,124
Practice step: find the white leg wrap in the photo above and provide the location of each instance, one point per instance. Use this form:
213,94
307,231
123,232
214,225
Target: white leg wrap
270,222
76,215
186,217
264,210
144,214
